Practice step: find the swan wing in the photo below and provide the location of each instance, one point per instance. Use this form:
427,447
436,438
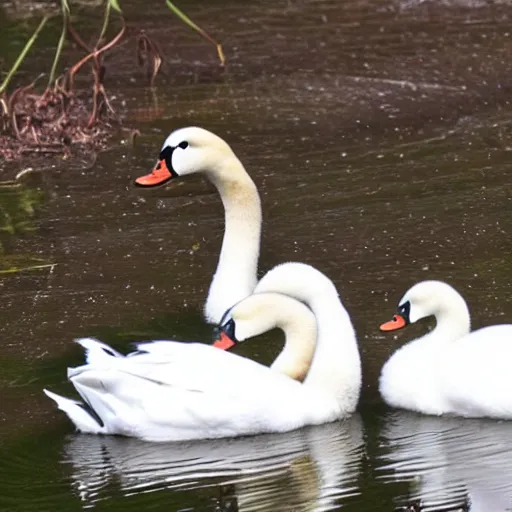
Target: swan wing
175,391
194,367
476,373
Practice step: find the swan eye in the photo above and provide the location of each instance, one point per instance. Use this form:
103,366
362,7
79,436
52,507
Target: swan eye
404,311
183,145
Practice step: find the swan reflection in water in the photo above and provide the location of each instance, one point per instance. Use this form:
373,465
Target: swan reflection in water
452,463
310,469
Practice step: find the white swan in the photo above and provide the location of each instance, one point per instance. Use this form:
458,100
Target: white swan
177,391
195,150
449,370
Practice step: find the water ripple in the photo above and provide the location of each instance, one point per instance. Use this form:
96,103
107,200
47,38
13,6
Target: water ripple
449,462
310,469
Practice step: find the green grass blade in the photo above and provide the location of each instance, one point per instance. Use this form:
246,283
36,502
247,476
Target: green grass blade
58,52
111,4
105,21
197,28
22,55
65,16
15,270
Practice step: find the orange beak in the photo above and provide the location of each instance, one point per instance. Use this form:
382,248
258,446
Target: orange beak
158,176
224,342
397,323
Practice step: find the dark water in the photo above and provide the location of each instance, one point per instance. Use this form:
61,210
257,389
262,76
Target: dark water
379,136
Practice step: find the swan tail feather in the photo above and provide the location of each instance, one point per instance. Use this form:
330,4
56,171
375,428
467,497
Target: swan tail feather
97,352
83,420
111,412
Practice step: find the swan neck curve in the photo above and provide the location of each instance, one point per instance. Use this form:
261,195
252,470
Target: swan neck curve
236,274
453,320
300,330
336,366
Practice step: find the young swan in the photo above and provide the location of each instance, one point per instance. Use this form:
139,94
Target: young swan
195,150
449,370
336,364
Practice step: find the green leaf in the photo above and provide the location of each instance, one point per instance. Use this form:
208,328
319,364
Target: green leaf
197,28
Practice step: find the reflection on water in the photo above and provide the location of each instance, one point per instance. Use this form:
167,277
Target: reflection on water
18,204
450,462
311,469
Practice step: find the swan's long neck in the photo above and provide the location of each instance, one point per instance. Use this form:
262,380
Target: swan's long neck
236,274
300,330
336,366
452,319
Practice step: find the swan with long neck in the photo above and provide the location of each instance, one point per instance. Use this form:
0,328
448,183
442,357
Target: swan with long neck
336,364
176,391
195,150
449,370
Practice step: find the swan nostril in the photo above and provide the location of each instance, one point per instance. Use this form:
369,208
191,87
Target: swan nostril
395,319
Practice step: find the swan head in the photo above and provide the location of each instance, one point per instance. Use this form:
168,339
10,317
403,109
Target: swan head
259,313
424,299
187,151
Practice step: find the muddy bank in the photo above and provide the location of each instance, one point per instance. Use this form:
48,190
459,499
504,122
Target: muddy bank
53,128
57,120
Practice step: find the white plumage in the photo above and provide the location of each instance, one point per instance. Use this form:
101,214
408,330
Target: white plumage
176,391
450,370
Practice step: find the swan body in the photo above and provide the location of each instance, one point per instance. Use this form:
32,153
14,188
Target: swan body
449,370
195,150
171,391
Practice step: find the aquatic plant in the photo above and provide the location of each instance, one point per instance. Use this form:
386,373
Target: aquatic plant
60,45
4,100
95,54
198,29
149,53
52,121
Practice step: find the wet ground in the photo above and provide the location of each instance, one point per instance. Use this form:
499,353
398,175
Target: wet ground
379,136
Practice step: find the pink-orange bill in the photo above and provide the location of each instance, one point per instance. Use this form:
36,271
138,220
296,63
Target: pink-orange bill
397,322
158,176
224,342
